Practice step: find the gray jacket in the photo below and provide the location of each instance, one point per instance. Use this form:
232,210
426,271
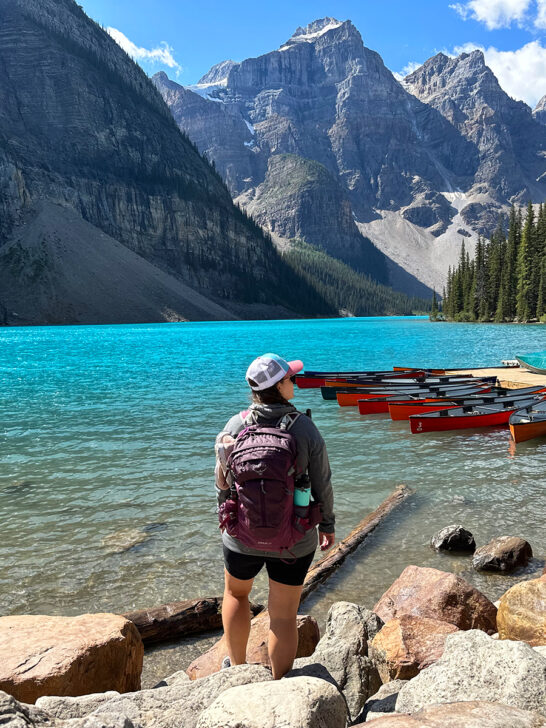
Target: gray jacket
312,457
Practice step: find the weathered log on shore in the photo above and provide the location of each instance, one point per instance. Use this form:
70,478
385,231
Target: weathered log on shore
194,616
324,568
180,619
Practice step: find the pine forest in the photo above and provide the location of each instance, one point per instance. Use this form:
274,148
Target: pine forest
506,280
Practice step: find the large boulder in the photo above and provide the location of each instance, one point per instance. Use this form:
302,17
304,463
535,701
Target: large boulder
66,708
454,538
476,667
502,554
20,715
91,653
256,652
435,594
302,702
407,645
180,704
383,702
471,714
341,656
522,613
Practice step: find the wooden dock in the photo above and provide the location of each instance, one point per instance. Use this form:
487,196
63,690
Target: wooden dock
509,377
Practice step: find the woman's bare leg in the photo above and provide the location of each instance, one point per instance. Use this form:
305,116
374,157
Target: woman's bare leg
236,616
283,606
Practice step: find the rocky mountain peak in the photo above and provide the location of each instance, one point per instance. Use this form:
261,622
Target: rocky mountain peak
317,27
218,73
539,112
315,30
466,78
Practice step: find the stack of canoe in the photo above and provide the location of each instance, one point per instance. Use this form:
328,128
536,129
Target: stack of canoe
434,400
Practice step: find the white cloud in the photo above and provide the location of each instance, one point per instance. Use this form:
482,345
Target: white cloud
521,73
408,68
494,13
540,20
162,55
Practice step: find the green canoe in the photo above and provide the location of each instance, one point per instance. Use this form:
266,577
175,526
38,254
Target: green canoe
533,362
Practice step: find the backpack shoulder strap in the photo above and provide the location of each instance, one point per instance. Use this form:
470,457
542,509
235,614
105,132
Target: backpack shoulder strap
286,421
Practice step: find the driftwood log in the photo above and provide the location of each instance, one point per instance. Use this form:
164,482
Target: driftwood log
180,619
329,563
194,616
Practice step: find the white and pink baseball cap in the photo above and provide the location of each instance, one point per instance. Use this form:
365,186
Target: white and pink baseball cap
268,369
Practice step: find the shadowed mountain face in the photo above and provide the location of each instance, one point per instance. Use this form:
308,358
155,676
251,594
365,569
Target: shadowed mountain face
83,129
398,159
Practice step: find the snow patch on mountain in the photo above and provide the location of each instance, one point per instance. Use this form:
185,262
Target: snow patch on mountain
311,32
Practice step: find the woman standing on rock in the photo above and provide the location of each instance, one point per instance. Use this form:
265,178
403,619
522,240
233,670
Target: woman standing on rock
270,460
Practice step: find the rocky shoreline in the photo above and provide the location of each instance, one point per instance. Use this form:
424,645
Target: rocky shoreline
432,652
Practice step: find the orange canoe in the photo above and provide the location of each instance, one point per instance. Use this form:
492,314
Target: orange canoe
529,422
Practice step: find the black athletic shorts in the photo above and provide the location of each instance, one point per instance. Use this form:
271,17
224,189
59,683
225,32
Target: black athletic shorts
291,572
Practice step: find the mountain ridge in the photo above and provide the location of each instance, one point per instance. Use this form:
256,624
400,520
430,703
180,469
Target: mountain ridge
84,128
394,149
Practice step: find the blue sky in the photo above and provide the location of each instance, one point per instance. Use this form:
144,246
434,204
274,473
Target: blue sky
185,39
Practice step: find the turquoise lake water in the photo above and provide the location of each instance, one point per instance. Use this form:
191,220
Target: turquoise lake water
106,457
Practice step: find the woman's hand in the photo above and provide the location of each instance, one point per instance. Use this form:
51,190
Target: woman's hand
326,540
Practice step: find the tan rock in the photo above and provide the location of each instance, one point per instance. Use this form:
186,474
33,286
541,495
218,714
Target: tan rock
502,554
471,714
522,613
91,653
435,594
211,661
407,645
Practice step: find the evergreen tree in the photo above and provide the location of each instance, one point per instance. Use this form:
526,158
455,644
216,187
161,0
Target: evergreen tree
541,297
434,307
524,294
510,263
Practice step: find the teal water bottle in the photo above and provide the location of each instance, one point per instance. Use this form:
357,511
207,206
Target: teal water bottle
302,490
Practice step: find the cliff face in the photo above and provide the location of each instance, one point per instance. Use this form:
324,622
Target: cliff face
510,143
299,198
408,158
81,126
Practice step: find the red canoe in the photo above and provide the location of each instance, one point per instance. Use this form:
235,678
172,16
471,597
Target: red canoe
463,418
402,409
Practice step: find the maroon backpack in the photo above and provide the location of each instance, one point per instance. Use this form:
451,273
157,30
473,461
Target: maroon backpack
260,509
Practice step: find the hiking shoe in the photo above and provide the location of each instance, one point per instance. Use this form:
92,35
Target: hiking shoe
226,662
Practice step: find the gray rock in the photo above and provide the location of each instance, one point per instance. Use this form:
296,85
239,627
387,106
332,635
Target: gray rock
300,702
468,714
104,720
12,713
65,708
476,667
383,702
19,715
502,554
454,538
374,623
341,656
175,679
179,705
